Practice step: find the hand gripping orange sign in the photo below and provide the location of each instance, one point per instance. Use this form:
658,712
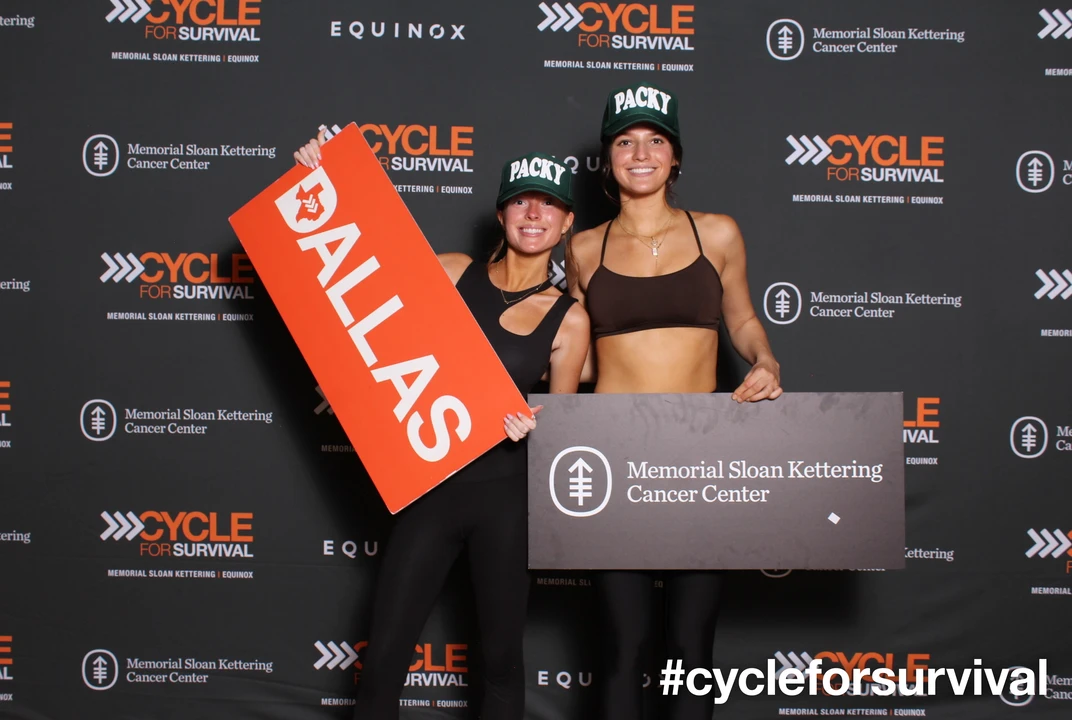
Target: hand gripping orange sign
417,387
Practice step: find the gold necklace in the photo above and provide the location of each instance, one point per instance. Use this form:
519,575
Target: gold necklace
530,292
650,242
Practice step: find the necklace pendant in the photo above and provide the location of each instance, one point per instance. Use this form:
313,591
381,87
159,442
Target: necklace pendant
655,252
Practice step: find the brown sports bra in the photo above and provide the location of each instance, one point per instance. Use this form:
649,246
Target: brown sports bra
690,297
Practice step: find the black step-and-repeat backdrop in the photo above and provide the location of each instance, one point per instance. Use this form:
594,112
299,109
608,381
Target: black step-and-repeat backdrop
184,529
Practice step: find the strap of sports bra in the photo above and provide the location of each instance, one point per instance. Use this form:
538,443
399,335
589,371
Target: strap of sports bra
695,231
603,252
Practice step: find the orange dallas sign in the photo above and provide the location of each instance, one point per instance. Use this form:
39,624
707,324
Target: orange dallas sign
414,382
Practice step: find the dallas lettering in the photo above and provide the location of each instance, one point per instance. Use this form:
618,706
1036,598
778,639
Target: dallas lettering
425,367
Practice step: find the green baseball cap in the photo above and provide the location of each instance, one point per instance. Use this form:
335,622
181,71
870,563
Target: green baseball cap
640,103
536,172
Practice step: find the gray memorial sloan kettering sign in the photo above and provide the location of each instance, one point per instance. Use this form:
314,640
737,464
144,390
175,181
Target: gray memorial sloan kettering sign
811,480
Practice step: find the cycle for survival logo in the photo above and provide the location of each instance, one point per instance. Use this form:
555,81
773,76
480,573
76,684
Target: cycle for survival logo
658,35
197,27
155,286
411,152
855,163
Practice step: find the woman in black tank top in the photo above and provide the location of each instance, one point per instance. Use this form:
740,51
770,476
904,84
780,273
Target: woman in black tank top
658,282
482,509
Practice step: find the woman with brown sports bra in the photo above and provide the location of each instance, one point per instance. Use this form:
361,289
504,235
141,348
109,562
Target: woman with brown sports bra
657,282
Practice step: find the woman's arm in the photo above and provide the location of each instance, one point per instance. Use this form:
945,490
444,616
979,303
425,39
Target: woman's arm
569,351
763,381
578,264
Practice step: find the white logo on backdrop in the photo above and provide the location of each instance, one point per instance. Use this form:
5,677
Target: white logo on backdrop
1058,25
791,661
334,656
100,670
100,155
132,10
1056,284
1034,171
782,303
99,420
1029,437
1048,544
120,267
1010,698
805,149
785,39
558,17
121,526
582,480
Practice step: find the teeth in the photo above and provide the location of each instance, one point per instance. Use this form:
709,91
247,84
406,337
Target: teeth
532,231
642,171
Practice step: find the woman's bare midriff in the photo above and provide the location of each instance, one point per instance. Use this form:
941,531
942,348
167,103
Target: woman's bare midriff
662,360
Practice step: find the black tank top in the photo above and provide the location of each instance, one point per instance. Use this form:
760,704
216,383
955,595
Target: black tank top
690,297
525,357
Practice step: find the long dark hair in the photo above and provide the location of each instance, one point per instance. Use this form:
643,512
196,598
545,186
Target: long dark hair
610,185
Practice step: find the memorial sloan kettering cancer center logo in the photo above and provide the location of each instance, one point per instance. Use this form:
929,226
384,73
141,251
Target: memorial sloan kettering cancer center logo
1029,437
787,39
784,303
102,155
102,670
1037,171
99,420
580,481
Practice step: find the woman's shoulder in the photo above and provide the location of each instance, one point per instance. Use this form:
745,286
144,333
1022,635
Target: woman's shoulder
455,264
717,231
584,247
590,238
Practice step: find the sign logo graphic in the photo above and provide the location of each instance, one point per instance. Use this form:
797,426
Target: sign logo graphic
1048,544
785,39
1035,171
782,303
100,155
558,17
1055,284
99,420
1058,25
310,203
100,670
581,480
1029,437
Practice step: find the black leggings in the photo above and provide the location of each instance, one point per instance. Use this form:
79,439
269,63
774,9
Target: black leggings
692,600
491,519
